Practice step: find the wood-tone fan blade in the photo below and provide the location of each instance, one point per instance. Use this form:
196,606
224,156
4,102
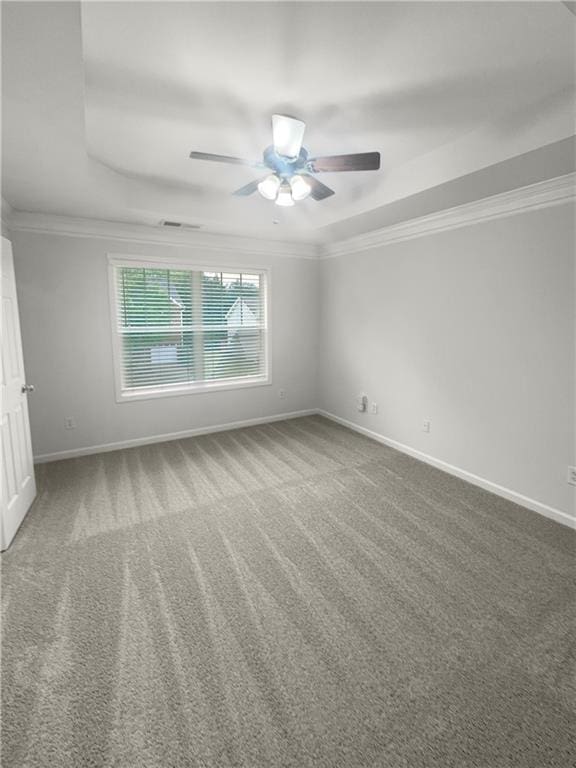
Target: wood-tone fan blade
224,159
319,191
363,161
247,189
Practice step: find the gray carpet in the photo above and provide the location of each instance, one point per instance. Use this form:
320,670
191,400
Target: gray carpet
286,595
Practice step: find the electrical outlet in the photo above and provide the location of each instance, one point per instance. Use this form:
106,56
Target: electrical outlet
426,424
69,422
373,407
362,403
282,394
572,475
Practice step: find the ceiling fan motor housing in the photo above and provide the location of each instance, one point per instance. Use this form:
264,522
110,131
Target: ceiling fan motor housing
285,167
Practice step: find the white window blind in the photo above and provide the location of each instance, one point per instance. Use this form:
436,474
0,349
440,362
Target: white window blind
188,329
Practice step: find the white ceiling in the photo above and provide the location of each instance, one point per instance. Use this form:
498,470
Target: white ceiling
102,102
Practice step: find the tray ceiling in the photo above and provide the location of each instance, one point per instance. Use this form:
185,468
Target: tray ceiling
104,101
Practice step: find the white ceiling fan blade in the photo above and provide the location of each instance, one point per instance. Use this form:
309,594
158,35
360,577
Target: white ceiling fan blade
287,133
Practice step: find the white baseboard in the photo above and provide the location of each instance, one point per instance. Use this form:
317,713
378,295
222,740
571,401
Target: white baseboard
524,501
106,447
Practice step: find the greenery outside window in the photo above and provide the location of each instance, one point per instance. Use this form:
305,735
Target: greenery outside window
178,330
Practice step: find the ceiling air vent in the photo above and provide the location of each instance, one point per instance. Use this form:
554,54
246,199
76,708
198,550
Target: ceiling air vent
178,225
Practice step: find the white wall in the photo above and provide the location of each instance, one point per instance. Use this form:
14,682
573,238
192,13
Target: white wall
64,306
472,328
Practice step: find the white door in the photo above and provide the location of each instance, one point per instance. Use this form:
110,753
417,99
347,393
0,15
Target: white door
18,484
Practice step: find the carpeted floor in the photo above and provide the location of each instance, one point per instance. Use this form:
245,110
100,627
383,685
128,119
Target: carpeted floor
286,595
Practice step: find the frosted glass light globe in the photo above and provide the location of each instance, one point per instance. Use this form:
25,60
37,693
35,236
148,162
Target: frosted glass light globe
269,186
284,195
300,187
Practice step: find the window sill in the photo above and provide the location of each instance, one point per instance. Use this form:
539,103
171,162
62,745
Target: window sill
151,393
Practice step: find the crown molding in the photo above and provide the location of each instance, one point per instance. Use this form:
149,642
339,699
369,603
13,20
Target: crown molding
42,223
544,194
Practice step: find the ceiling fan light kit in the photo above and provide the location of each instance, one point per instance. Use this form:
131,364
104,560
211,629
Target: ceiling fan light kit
293,176
300,187
284,192
269,187
285,198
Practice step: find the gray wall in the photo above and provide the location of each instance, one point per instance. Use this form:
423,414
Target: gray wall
472,328
65,316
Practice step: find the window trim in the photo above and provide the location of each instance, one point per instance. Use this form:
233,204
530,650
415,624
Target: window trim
179,390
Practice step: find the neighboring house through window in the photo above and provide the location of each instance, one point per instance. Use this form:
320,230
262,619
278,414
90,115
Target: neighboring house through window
181,329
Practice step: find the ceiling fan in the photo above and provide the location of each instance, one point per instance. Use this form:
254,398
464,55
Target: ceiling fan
293,174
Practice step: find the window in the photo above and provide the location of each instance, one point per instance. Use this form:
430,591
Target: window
178,329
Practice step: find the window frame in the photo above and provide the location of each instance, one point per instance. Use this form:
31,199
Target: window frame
193,388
